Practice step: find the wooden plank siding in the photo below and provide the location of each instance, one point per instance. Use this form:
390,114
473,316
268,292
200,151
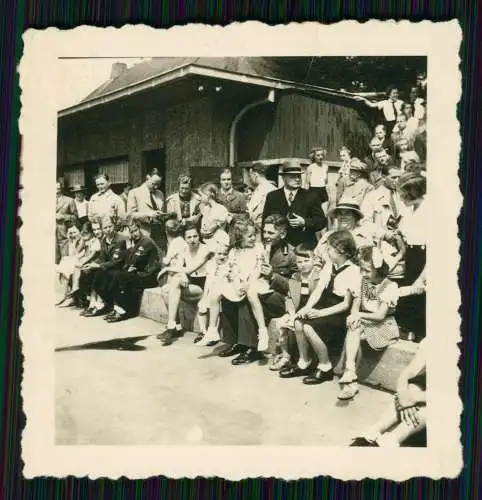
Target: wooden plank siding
195,133
294,124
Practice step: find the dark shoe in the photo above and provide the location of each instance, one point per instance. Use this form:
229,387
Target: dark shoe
295,371
178,333
318,377
247,357
232,350
98,312
116,317
109,315
87,310
361,441
167,337
198,338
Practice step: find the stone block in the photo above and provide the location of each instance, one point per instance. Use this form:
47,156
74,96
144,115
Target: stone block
153,307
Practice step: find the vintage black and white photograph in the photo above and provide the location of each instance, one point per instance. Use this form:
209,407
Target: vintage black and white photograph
240,251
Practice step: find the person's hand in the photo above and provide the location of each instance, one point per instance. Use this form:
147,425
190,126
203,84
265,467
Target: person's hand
418,289
406,398
296,221
183,280
309,314
266,270
353,320
132,269
409,416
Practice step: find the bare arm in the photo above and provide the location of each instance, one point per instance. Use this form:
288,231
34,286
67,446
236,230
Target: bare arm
379,315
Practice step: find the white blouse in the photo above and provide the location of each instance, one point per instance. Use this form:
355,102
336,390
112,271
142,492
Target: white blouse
413,225
317,175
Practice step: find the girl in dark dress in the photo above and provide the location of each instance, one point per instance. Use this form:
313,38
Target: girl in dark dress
323,318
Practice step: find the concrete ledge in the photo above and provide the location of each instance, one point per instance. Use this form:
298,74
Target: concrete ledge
377,369
153,307
381,369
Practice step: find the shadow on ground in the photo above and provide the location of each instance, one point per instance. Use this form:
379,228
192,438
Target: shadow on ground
125,344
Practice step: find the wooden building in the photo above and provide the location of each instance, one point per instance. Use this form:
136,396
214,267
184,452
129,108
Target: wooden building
194,115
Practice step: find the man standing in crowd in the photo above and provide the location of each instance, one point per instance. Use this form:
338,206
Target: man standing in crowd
145,204
184,203
66,213
81,203
233,200
261,187
302,208
105,203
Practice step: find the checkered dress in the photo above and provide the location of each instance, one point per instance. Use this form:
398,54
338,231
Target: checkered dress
379,334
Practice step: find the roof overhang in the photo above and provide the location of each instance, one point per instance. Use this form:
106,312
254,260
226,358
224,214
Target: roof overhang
180,72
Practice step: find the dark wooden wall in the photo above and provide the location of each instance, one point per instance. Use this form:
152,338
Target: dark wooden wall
195,134
294,124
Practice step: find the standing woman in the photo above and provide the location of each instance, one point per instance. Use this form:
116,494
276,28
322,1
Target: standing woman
317,175
411,313
214,216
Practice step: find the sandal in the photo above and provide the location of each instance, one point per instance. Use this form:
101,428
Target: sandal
279,363
349,391
198,337
348,378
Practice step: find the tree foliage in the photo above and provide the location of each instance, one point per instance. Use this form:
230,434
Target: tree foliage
355,74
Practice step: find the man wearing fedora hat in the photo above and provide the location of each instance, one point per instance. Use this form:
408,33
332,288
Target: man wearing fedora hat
300,206
357,186
80,202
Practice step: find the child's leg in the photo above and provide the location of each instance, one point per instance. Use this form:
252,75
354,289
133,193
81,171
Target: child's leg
319,347
303,346
173,300
402,431
214,309
75,279
387,419
352,345
257,308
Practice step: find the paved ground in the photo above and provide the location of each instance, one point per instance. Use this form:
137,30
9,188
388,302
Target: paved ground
116,385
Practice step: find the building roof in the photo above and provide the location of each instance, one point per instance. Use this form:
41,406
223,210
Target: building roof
270,72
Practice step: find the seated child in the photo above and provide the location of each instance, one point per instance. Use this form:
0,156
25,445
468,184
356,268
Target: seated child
371,317
301,285
323,318
216,272
241,281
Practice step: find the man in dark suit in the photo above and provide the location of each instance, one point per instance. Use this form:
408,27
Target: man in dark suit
122,288
112,255
302,208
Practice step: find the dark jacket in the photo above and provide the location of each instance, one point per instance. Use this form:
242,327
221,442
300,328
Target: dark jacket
112,254
144,256
306,205
283,262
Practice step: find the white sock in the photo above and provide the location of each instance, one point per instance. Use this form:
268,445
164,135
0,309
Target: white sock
119,309
99,304
302,365
178,327
325,367
171,325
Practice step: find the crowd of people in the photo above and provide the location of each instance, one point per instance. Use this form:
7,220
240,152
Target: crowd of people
302,274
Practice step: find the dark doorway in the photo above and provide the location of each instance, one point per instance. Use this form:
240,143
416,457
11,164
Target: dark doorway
154,159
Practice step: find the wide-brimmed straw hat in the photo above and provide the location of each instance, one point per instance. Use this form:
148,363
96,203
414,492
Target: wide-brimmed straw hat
76,188
346,204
